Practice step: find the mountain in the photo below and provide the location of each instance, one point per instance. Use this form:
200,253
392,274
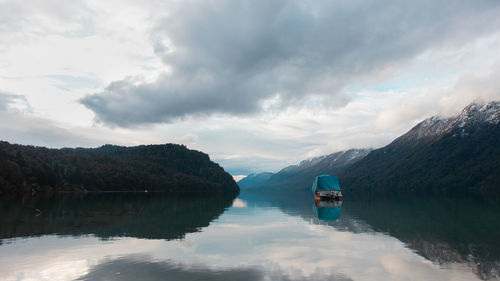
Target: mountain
301,176
447,156
254,179
168,167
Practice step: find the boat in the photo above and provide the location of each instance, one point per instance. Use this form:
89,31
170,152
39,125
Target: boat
326,187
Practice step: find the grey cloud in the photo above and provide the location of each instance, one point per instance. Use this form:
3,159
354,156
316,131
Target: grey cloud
230,56
4,101
18,127
8,99
22,129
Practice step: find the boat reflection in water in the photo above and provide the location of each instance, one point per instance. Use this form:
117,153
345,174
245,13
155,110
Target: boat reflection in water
327,210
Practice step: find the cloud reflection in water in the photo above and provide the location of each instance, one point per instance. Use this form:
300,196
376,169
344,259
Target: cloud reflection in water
257,243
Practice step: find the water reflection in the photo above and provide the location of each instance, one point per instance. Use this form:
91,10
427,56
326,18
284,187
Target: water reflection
327,210
151,216
445,231
258,238
140,268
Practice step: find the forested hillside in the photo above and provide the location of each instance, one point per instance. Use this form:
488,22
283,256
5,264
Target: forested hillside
168,168
440,156
301,176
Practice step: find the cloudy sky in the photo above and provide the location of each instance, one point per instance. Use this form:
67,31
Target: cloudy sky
256,84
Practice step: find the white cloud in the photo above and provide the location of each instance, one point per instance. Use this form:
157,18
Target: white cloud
56,52
415,105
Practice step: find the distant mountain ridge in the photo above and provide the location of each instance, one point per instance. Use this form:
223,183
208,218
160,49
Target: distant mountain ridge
301,176
447,156
254,179
166,168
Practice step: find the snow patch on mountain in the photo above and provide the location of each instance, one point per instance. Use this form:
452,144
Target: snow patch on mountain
469,120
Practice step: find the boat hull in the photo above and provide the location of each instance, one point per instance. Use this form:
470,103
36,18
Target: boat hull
328,195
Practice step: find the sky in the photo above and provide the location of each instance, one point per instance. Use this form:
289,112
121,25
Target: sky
258,85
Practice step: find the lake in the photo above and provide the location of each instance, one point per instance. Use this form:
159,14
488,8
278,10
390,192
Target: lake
253,237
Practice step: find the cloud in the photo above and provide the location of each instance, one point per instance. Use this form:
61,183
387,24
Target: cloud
478,87
8,99
247,165
33,18
231,57
257,85
414,106
20,125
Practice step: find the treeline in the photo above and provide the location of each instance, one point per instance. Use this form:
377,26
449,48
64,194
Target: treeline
168,167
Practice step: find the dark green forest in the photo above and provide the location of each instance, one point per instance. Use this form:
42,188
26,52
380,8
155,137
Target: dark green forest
452,164
166,168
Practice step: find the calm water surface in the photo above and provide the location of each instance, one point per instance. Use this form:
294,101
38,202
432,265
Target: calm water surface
255,237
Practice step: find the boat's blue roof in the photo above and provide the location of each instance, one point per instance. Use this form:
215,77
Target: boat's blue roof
327,214
325,182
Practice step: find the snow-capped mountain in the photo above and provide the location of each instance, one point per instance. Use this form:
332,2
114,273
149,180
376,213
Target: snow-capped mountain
304,164
336,160
438,156
300,176
472,119
446,156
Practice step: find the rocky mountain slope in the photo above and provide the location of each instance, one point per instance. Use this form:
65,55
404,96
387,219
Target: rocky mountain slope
473,118
452,156
301,176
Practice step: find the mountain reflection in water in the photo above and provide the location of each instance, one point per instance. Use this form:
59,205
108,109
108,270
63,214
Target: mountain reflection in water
442,230
259,237
151,216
